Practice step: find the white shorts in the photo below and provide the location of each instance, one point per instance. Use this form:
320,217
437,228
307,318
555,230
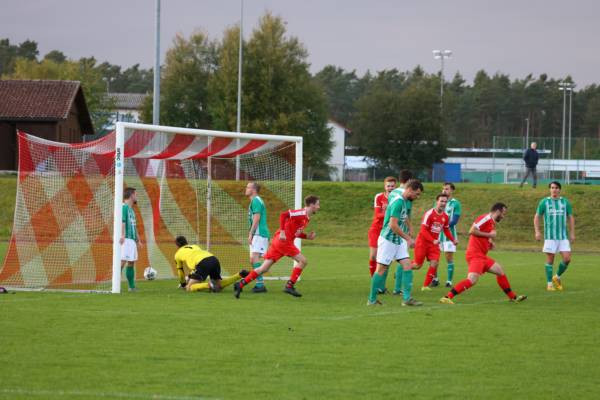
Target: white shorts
388,251
129,250
447,247
555,246
259,245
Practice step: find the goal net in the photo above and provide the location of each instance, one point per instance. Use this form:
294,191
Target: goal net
189,182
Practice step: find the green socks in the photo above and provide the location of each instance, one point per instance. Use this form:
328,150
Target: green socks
549,272
562,267
130,274
376,282
450,271
407,283
259,279
385,274
398,285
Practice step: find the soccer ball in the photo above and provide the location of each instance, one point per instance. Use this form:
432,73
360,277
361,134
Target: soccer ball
150,274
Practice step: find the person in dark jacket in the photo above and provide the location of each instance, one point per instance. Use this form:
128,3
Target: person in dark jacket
531,158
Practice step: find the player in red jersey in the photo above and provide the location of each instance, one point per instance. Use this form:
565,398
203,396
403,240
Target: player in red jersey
481,241
379,206
291,226
428,241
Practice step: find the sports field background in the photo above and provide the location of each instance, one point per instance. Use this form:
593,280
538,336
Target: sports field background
163,343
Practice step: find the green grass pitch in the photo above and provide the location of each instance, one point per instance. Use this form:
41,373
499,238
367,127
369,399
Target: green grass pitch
161,343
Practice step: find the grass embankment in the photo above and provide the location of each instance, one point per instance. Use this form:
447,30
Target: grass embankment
346,211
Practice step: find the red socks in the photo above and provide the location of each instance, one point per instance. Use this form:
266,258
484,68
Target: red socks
431,273
295,275
459,288
372,267
251,276
503,283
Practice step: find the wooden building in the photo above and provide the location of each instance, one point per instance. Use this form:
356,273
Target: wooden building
53,110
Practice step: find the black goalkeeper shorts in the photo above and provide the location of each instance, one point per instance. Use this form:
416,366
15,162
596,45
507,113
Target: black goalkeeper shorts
209,266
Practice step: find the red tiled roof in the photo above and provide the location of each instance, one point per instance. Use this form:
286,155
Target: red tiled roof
36,99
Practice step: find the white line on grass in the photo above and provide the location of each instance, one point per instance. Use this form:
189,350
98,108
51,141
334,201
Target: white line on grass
437,307
86,394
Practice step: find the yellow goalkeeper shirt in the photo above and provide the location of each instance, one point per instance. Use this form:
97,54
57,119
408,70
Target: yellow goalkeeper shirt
188,256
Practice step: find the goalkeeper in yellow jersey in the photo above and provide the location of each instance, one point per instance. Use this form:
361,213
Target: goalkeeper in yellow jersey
195,265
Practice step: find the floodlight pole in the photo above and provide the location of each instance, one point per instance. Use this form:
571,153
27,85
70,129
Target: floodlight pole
239,90
570,115
441,55
527,134
156,94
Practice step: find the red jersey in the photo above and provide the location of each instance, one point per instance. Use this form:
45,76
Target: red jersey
479,246
293,222
379,204
433,224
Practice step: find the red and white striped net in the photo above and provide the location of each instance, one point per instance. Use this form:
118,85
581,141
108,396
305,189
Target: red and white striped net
62,230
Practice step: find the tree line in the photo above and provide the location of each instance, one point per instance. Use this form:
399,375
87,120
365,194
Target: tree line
395,117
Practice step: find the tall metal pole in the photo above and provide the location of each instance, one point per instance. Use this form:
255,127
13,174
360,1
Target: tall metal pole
562,85
239,90
570,114
156,96
442,85
527,134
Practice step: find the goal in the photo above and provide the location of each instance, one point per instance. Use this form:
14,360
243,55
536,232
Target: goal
189,182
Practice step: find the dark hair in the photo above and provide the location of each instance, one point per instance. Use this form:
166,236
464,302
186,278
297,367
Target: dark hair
449,184
441,195
312,199
181,241
557,183
390,179
414,184
405,175
128,192
256,186
498,206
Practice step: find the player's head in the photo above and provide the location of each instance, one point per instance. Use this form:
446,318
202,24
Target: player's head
389,183
440,201
130,194
405,176
413,189
312,203
499,211
448,188
181,241
555,188
252,188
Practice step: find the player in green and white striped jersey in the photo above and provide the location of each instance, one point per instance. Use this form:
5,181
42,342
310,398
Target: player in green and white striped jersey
453,209
557,213
129,237
258,233
393,244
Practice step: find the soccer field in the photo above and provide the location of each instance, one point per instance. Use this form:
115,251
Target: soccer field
162,343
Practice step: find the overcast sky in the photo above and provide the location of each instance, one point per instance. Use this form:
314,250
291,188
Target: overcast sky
516,37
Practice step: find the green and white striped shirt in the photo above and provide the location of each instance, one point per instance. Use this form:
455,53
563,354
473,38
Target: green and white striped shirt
400,209
257,206
555,213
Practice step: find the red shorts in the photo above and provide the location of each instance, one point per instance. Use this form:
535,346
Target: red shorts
426,250
279,248
374,232
480,264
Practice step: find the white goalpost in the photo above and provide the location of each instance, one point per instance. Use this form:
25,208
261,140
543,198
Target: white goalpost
67,222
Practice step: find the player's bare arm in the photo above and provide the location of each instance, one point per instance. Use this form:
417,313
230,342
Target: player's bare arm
572,228
255,220
536,227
